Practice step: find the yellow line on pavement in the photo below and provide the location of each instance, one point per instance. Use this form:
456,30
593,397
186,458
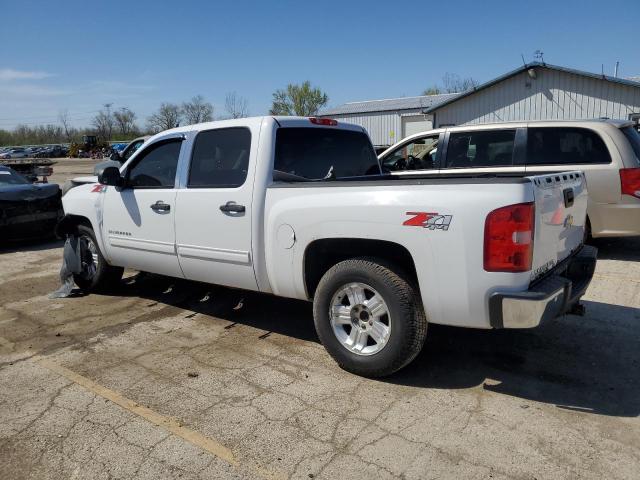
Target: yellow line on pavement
170,424
208,444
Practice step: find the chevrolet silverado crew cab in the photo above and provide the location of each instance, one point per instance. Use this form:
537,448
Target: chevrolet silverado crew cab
299,207
607,151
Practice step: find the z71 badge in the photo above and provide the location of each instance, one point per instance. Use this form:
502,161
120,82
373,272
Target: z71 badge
432,221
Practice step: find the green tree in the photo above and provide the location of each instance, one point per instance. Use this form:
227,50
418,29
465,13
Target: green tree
302,100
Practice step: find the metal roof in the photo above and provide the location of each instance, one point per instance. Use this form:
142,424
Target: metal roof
521,69
390,104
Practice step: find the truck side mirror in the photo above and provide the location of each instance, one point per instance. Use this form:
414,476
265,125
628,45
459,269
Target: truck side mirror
111,176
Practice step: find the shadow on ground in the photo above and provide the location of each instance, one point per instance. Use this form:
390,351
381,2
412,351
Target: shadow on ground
32,245
626,249
587,364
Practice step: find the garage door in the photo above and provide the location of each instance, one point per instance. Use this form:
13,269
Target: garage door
415,124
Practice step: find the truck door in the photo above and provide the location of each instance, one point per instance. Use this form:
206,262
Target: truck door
138,219
213,212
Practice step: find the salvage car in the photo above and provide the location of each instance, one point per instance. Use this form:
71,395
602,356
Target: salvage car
298,207
27,210
607,151
15,153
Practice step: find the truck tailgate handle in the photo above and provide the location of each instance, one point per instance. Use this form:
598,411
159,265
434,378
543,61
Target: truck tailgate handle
568,197
160,206
232,207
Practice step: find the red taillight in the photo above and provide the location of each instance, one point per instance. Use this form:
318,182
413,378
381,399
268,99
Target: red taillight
323,121
630,181
508,238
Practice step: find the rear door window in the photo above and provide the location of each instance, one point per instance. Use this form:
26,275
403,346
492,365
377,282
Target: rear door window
565,146
483,148
316,153
220,158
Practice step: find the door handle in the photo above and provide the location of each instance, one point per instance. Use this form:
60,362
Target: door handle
232,207
160,206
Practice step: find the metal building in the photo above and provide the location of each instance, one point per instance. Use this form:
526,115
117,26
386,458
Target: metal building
537,91
390,120
540,91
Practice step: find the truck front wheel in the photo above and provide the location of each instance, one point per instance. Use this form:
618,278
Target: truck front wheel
96,274
368,317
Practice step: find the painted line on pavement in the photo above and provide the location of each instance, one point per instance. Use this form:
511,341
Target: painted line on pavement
208,444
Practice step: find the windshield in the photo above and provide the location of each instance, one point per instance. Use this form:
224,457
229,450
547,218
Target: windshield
634,139
324,153
9,177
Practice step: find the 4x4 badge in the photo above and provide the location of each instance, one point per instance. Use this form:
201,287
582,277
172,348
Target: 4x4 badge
432,221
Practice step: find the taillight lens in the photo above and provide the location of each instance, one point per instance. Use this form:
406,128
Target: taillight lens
630,181
323,121
508,238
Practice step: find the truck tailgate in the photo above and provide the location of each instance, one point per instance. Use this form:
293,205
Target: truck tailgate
561,207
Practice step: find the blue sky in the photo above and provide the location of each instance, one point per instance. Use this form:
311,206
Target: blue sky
78,55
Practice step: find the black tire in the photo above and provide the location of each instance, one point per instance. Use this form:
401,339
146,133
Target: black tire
407,319
106,277
588,239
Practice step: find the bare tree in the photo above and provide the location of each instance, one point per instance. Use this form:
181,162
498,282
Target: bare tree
104,122
432,90
453,83
63,118
168,116
300,100
125,120
236,106
197,110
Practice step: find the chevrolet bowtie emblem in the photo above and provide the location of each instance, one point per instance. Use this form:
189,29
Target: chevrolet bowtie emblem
568,222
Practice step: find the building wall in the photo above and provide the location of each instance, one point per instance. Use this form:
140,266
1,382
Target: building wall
385,128
552,95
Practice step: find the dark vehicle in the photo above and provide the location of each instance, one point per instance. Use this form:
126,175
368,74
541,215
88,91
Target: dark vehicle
27,210
124,154
53,151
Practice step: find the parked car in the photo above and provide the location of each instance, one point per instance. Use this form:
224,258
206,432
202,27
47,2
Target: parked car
26,209
124,154
608,151
15,153
297,207
52,151
116,160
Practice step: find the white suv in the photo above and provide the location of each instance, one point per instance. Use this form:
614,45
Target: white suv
608,151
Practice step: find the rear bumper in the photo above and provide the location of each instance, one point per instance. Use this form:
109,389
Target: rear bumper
615,220
548,298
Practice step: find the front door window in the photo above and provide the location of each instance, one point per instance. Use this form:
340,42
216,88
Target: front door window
419,154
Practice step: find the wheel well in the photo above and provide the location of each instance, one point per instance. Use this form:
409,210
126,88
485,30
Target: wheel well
321,255
69,224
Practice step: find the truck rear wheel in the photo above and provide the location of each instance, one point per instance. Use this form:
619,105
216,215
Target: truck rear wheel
368,317
96,275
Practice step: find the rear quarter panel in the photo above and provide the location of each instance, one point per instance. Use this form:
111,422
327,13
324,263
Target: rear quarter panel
449,263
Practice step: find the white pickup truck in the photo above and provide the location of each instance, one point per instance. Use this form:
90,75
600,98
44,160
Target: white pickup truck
298,207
